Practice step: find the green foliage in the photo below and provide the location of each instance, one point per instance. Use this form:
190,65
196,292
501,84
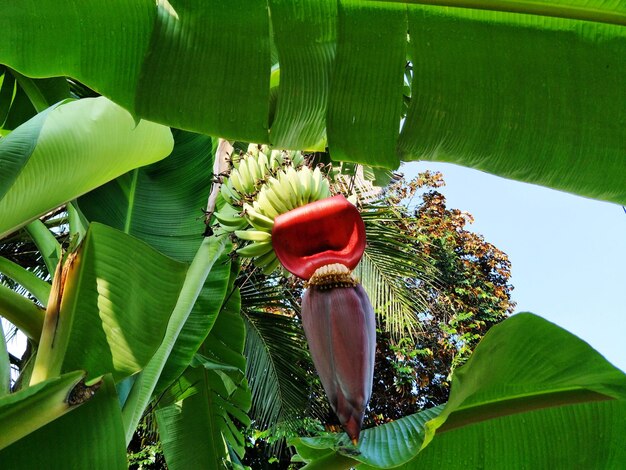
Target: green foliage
120,303
560,126
198,416
96,425
276,352
73,138
504,379
160,203
145,451
391,264
462,289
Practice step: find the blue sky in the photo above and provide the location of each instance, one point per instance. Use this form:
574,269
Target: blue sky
568,253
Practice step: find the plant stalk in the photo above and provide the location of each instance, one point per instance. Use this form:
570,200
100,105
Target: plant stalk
39,288
56,327
526,7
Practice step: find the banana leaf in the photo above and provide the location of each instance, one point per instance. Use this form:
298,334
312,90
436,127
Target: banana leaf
526,380
529,91
68,143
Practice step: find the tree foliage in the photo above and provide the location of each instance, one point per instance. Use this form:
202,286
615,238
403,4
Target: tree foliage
470,294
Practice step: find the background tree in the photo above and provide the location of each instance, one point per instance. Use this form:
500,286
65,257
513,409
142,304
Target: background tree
471,293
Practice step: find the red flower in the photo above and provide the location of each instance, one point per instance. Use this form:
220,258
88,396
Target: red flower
318,234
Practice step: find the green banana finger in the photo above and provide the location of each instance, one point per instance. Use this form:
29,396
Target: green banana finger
255,249
253,235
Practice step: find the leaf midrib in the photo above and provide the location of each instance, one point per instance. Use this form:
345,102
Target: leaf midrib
521,403
567,12
131,201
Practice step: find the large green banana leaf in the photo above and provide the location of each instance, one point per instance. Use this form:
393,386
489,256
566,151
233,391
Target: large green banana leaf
133,51
161,204
27,410
68,150
142,391
91,436
120,297
526,380
197,425
531,91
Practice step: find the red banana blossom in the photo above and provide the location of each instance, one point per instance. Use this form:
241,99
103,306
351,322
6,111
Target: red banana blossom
322,242
318,234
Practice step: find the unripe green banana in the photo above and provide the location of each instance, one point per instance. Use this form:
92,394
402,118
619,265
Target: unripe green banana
245,178
267,206
255,249
253,235
225,193
254,170
273,192
271,266
316,181
235,179
253,149
305,176
297,159
283,189
323,189
230,222
276,159
263,260
263,163
289,188
294,181
258,220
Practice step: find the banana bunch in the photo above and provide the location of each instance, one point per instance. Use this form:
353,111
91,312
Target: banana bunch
287,190
290,188
250,171
263,184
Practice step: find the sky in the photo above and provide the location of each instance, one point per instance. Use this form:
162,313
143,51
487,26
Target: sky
568,253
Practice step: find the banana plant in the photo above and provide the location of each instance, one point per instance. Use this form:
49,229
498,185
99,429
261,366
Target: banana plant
339,78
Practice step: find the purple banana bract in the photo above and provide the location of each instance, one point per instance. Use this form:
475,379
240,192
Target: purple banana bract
340,327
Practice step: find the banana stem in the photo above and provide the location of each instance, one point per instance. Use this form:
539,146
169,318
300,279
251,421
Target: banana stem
47,244
220,165
56,327
36,286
